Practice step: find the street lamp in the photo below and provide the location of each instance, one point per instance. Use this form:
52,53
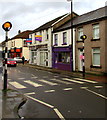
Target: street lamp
6,26
83,37
71,1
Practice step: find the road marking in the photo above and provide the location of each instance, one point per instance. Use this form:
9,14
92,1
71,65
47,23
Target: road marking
86,80
59,114
96,93
9,79
33,83
17,85
34,77
71,80
21,78
64,82
98,86
49,91
48,105
49,83
39,101
30,93
67,89
83,87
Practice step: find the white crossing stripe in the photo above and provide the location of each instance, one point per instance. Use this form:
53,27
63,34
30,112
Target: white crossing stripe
34,77
90,81
67,89
49,83
48,91
33,83
71,80
64,82
17,85
83,87
21,78
98,86
30,93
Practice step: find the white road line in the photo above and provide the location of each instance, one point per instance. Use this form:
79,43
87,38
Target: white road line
33,83
49,83
83,87
21,78
49,91
90,81
59,114
30,93
48,105
17,85
71,80
9,79
67,89
98,86
34,77
39,101
96,93
64,82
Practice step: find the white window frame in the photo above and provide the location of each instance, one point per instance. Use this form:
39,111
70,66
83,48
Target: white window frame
80,33
56,39
64,37
95,30
97,52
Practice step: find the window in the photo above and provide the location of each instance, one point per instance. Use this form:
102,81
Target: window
56,39
96,31
64,38
64,57
47,36
80,33
96,56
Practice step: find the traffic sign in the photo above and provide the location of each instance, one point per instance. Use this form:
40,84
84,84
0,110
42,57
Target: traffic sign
7,26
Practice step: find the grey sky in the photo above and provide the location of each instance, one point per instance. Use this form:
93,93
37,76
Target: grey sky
30,14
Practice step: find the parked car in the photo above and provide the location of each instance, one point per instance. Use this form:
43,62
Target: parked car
18,59
11,62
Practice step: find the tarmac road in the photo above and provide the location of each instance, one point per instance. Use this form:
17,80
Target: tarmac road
52,95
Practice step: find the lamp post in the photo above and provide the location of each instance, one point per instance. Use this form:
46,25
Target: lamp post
6,26
71,1
83,37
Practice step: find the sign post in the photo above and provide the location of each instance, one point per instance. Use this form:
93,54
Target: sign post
6,26
83,37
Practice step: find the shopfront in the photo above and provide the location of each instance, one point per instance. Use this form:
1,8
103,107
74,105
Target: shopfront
61,58
15,52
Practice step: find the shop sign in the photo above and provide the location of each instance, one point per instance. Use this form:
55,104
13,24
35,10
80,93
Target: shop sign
38,38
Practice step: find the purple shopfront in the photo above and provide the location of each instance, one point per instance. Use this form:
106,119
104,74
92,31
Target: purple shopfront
61,58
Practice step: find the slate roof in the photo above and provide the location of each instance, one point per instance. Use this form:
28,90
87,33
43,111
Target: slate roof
23,35
48,24
97,14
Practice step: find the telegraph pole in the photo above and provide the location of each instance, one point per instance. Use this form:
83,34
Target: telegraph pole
6,26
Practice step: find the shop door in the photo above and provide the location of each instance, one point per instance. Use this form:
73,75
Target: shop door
44,58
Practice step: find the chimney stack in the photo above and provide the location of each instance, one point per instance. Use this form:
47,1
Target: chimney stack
19,31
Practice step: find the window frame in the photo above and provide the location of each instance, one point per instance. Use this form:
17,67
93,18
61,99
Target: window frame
96,27
55,39
80,30
98,65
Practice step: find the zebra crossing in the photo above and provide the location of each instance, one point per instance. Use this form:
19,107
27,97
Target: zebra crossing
51,82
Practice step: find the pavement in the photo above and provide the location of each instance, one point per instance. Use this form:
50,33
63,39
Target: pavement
11,100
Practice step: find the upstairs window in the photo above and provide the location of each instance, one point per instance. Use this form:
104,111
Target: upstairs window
64,38
56,39
80,33
96,31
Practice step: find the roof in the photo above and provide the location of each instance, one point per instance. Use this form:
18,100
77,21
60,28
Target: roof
97,14
48,24
23,35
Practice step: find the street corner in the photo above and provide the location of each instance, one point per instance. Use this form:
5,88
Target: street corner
12,100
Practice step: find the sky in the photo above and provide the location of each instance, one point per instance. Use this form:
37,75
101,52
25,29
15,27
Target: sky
30,14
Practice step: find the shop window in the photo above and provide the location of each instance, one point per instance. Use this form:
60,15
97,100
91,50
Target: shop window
64,57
